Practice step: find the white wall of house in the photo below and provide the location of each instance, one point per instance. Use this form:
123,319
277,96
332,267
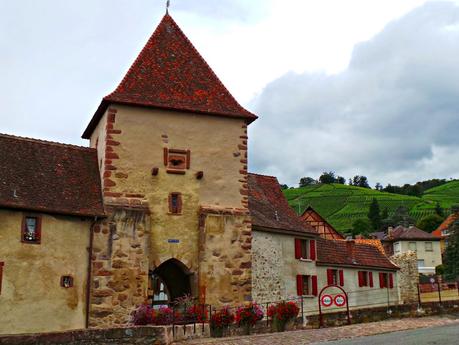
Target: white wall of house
428,253
275,270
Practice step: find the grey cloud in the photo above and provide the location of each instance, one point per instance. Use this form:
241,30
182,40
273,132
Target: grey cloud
383,116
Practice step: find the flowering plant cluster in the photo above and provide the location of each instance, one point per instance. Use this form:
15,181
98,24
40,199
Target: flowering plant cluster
283,311
222,318
143,315
249,315
197,313
163,316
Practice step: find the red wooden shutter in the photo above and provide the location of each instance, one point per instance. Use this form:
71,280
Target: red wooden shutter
314,285
391,280
299,285
381,280
312,249
341,277
329,276
360,273
297,248
370,278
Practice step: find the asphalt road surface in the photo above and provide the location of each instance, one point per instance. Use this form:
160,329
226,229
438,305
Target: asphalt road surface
444,335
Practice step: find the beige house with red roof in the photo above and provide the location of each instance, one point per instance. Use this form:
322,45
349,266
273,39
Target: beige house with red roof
290,259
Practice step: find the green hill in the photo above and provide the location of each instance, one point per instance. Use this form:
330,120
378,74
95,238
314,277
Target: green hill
341,205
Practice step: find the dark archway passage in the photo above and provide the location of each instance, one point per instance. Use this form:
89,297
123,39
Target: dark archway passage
171,280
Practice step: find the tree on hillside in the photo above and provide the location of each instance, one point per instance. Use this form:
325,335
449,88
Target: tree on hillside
430,222
284,186
385,213
327,177
374,215
452,253
439,210
340,180
360,181
307,181
378,186
401,216
361,227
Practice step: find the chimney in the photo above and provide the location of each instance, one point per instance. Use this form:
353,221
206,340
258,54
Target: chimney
350,244
390,230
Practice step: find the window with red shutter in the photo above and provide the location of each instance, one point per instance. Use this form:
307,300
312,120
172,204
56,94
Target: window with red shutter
330,276
382,280
299,285
297,248
360,275
1,276
370,278
312,250
391,280
341,277
314,285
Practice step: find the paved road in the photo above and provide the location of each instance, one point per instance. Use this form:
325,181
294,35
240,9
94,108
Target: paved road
445,335
418,331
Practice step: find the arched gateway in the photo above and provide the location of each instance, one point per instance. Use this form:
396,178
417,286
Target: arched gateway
170,280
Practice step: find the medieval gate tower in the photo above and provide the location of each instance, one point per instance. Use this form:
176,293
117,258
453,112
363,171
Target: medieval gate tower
172,151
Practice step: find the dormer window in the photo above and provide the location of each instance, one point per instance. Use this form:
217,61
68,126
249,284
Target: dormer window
177,161
31,230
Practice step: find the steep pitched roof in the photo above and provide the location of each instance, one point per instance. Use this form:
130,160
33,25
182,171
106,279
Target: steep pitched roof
270,210
401,233
169,73
325,230
351,253
445,225
49,177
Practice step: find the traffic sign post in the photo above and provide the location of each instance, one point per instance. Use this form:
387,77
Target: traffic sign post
326,300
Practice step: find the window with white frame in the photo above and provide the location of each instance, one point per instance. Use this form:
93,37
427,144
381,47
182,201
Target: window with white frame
428,246
412,246
396,247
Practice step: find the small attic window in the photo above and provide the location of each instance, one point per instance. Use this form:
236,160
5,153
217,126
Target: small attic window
31,230
176,161
66,281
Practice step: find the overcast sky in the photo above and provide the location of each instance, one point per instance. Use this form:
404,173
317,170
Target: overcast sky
356,87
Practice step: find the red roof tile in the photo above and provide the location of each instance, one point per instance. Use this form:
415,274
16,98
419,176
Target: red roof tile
269,209
49,177
401,233
169,73
351,253
445,225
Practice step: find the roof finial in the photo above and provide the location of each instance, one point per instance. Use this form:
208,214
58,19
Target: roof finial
168,3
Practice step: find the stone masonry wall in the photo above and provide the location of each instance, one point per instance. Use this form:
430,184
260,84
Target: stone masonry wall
120,266
267,277
408,276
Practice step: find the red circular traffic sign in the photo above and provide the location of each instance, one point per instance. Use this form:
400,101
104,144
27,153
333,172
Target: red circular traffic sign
327,300
340,300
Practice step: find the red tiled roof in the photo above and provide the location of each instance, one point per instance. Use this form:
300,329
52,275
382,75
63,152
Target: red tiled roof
445,225
170,73
269,209
410,233
49,177
351,253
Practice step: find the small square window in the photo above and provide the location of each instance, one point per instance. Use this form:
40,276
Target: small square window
31,230
412,246
67,281
176,161
428,246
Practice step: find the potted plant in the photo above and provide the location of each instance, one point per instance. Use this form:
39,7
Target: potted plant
197,313
164,316
220,321
143,315
247,316
281,314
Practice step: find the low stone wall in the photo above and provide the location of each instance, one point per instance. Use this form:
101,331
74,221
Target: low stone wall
382,313
145,335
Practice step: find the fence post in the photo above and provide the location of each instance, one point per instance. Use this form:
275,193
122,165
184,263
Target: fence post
302,310
419,297
439,290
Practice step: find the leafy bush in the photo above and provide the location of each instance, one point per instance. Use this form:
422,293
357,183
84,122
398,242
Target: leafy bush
249,314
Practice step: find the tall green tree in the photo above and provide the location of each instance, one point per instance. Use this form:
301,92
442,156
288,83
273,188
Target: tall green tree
439,210
327,177
452,253
361,181
307,181
361,227
430,222
401,216
374,215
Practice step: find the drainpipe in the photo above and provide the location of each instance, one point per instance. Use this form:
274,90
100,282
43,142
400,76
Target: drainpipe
88,278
